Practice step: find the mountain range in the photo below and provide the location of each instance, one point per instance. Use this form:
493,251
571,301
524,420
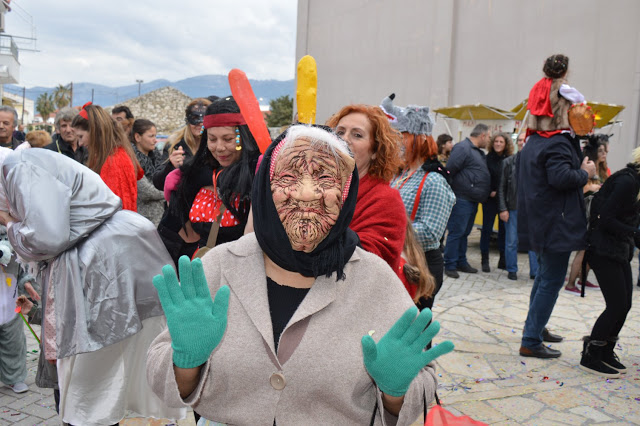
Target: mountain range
200,86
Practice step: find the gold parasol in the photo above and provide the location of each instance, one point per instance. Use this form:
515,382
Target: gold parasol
604,112
474,112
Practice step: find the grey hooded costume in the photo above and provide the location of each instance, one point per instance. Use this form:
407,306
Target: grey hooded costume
102,259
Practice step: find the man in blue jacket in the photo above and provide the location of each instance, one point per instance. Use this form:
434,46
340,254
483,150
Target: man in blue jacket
470,181
551,222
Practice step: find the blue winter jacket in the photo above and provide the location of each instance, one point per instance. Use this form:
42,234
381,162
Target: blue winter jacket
551,211
469,174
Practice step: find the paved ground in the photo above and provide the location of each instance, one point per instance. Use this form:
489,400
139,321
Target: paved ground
484,378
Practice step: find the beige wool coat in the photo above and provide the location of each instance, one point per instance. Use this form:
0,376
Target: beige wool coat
318,374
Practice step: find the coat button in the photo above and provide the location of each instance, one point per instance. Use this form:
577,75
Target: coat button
277,381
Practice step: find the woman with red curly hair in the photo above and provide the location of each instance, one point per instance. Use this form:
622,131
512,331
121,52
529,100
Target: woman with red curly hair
379,218
423,185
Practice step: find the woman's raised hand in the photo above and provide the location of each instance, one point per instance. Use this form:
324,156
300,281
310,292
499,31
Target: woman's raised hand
177,157
399,356
196,323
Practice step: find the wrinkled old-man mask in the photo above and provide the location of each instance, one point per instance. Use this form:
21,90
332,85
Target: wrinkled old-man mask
309,184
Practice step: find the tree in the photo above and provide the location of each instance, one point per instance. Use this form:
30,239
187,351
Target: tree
61,96
281,111
45,106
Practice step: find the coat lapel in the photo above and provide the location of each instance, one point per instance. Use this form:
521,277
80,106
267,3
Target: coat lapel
249,283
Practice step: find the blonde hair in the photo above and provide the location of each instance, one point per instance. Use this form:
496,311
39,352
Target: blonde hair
38,138
635,155
416,269
185,131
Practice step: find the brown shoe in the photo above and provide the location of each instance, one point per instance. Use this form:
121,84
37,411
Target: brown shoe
540,352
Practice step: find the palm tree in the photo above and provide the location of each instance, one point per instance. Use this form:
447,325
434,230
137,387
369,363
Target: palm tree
45,106
61,96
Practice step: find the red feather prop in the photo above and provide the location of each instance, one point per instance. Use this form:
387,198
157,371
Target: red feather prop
249,107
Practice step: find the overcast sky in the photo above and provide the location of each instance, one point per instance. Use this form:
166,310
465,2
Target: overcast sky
115,42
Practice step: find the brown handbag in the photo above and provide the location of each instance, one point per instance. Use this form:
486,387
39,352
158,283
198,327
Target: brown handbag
213,235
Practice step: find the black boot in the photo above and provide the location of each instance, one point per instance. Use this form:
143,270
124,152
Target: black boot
591,361
501,262
610,358
485,262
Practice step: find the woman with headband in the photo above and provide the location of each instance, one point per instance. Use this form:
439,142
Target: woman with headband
214,185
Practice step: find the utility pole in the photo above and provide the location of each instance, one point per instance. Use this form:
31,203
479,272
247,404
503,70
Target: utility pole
139,84
23,94
71,94
91,95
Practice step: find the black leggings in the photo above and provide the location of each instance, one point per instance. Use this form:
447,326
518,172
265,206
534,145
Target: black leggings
616,284
435,261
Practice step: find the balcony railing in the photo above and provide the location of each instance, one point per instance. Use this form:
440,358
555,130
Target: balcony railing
8,46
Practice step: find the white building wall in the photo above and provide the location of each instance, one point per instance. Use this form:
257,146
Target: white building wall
453,52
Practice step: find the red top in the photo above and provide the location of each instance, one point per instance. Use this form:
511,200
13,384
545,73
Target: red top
206,208
118,172
380,219
411,287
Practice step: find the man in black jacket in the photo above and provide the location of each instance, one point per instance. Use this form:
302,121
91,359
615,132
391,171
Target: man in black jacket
551,221
508,207
470,181
65,140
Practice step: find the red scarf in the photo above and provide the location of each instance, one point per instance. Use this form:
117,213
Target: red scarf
539,98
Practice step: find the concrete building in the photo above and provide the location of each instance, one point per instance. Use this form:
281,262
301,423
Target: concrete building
16,101
455,52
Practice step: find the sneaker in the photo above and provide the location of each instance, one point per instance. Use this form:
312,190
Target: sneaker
451,273
600,369
589,284
467,268
19,387
610,359
512,275
574,290
591,361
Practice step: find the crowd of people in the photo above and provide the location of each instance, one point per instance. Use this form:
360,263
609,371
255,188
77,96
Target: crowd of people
295,283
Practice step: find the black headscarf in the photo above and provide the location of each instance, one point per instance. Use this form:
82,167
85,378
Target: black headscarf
331,255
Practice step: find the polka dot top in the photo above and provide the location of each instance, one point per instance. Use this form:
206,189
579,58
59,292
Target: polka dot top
206,208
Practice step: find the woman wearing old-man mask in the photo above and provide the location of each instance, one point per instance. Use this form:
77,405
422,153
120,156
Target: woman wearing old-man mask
291,333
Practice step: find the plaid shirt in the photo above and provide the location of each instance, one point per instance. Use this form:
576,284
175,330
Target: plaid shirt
435,206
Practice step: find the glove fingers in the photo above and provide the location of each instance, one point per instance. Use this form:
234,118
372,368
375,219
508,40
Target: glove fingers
369,350
400,327
199,280
172,285
163,293
417,327
221,303
186,278
427,335
437,351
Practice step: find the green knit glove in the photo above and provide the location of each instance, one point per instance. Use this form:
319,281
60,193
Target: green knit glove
196,323
399,356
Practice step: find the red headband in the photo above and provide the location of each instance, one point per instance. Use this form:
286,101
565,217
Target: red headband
223,120
83,112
